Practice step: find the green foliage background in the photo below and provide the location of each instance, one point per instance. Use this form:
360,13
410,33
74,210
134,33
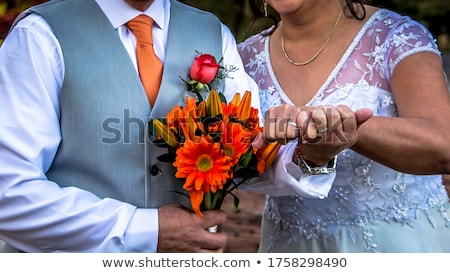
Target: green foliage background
435,14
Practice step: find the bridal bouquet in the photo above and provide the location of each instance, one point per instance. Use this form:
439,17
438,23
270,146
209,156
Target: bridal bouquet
210,141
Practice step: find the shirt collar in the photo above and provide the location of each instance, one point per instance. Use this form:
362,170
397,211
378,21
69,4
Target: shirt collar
119,12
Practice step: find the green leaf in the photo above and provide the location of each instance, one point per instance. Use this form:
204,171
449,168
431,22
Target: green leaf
151,128
160,143
169,158
245,158
235,203
246,173
222,97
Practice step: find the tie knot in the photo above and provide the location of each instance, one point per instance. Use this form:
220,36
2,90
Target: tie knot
141,26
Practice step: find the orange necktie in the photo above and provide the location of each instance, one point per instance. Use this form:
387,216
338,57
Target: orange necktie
149,65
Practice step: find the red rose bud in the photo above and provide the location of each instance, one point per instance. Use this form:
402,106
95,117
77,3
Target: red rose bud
204,69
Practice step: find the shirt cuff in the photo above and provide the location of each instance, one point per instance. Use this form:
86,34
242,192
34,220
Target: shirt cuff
284,178
313,186
141,234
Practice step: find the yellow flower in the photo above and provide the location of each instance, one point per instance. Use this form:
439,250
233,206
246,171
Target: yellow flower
266,155
214,155
213,104
166,134
243,111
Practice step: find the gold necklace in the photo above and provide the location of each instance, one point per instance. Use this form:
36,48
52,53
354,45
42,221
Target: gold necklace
318,52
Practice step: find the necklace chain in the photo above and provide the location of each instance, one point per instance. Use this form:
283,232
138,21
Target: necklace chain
318,52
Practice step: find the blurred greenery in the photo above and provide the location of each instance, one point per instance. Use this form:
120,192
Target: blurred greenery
435,14
9,9
234,13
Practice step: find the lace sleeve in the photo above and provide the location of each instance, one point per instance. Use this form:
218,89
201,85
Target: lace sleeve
248,50
407,37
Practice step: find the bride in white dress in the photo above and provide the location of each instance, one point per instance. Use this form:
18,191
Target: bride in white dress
386,194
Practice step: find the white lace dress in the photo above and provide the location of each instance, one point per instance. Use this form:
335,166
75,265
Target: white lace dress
370,208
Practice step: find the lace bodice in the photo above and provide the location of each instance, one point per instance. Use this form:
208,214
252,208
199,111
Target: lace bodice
364,192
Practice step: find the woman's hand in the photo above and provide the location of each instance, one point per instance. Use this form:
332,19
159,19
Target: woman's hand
322,132
336,130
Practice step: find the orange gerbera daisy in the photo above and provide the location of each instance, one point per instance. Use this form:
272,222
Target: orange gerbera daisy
205,168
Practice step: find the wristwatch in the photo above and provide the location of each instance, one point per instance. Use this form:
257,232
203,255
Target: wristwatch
308,170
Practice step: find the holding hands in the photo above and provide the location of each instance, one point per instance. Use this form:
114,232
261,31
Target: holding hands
322,132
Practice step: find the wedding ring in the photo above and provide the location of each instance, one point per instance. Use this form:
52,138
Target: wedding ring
324,130
292,123
213,229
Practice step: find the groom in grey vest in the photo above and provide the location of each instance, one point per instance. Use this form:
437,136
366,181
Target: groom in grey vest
92,181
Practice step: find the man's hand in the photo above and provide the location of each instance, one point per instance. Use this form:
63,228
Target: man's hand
181,230
335,128
286,122
321,132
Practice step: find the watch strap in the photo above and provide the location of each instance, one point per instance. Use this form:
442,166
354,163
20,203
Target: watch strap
308,170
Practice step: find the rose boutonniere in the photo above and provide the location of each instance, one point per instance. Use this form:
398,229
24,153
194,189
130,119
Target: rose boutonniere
209,142
204,71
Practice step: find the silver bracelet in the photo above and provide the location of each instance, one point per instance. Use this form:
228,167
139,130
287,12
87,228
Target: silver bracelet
308,170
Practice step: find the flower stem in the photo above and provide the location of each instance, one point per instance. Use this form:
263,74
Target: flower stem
216,204
199,96
236,185
208,201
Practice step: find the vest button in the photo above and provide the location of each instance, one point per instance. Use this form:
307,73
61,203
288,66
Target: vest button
155,170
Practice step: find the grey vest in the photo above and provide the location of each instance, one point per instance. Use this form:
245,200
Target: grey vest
105,145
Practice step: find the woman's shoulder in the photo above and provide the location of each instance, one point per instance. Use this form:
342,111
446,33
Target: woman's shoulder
393,21
398,30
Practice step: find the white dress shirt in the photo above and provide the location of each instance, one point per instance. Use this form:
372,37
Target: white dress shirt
32,207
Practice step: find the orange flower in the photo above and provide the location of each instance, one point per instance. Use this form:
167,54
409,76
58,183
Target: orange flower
229,110
212,141
184,119
243,111
166,133
266,155
213,104
175,116
205,168
253,121
236,141
191,107
201,109
236,99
